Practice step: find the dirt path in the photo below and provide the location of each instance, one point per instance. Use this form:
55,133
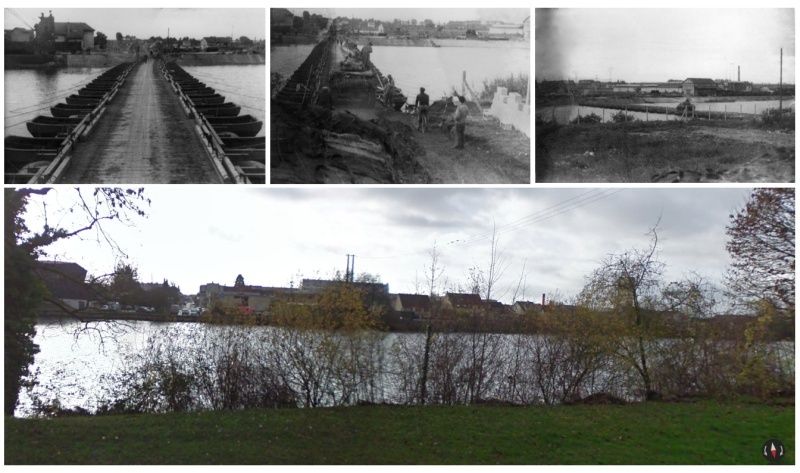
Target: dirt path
144,137
491,154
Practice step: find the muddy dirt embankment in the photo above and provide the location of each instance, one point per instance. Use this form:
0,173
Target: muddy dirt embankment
315,146
214,59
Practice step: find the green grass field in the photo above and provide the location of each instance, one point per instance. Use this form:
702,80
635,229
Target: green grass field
652,433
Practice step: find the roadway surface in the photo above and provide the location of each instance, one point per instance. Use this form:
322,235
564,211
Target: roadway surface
143,137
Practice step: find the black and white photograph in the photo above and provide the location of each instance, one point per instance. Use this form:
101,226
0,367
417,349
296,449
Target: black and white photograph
665,95
400,96
149,96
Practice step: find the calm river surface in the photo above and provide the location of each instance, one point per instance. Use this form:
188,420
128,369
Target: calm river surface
29,93
75,370
242,85
439,70
566,113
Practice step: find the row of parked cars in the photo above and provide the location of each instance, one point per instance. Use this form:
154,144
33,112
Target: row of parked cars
116,306
190,311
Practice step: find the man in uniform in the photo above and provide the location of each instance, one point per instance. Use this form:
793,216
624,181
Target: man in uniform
365,52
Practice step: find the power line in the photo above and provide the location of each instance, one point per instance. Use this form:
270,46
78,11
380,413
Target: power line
546,214
586,198
538,212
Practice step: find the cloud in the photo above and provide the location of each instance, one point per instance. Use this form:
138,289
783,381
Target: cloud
269,235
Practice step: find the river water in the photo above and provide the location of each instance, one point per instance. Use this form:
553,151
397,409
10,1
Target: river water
76,370
242,85
29,93
439,70
565,113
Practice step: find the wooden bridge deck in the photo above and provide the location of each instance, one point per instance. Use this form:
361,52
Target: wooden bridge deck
144,137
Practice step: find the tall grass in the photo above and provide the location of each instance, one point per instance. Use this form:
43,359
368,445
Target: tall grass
780,119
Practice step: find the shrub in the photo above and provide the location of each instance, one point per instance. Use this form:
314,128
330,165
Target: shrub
622,117
774,118
591,118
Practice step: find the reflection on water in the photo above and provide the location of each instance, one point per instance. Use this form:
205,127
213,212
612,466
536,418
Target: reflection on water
242,85
29,93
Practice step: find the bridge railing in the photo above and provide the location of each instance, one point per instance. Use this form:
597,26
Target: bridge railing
213,144
55,169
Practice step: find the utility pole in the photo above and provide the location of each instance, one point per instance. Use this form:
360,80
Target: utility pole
780,89
349,274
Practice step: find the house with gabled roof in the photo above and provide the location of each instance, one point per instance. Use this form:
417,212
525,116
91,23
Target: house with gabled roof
694,86
71,36
416,304
66,282
461,301
526,307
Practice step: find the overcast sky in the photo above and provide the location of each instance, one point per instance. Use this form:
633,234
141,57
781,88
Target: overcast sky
147,22
438,15
270,236
659,44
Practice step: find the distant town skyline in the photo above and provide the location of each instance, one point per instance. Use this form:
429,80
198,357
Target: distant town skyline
146,22
277,236
437,15
656,45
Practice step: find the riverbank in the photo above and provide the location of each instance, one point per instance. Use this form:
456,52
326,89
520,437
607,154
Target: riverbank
664,151
545,101
215,59
31,61
649,433
363,143
440,42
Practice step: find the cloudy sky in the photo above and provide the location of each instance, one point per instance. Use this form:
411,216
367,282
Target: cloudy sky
659,44
271,236
147,22
438,15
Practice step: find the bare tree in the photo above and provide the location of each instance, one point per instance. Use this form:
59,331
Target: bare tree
519,289
497,264
435,270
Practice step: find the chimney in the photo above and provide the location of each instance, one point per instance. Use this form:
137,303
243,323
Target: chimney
542,300
738,73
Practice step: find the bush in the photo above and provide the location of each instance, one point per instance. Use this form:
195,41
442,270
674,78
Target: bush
622,117
591,118
774,118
